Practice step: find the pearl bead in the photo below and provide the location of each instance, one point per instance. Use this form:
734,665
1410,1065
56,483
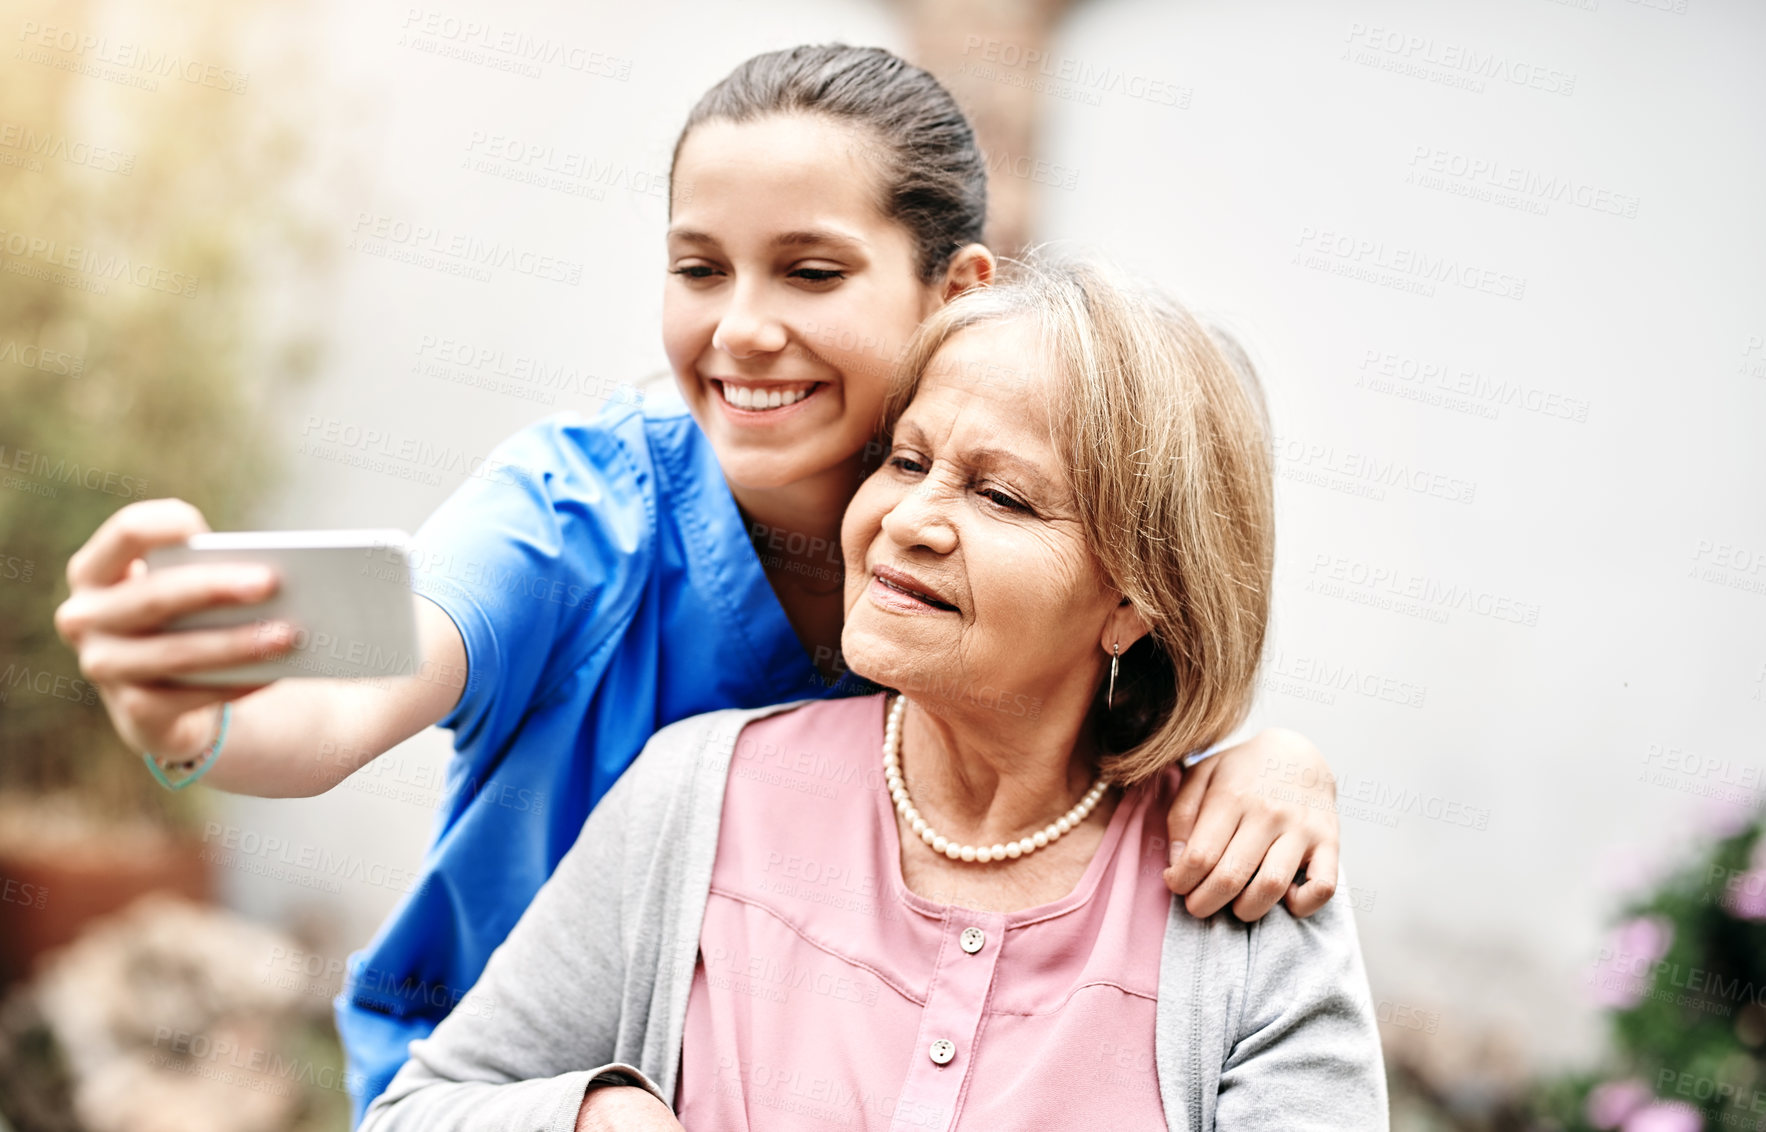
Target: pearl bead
1011,850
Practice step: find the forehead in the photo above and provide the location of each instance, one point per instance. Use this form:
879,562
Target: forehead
781,171
995,379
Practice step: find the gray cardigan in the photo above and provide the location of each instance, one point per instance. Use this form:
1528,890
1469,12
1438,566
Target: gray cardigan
1260,1026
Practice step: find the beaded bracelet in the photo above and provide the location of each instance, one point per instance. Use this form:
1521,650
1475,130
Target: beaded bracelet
193,768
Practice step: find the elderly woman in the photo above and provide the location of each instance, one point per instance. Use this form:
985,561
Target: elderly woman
941,907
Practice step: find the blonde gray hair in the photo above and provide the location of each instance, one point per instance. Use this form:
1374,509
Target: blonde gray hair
1162,428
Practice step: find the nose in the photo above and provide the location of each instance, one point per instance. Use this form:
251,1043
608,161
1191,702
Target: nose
921,518
747,328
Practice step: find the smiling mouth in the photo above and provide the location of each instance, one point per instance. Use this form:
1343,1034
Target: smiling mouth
899,584
761,398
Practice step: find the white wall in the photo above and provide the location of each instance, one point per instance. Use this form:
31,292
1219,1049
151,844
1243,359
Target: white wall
1601,529
1600,524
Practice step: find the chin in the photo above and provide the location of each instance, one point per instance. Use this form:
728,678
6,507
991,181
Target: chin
760,475
760,468
885,660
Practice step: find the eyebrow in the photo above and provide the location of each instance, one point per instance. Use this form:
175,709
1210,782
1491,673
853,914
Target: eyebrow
1009,459
809,237
988,456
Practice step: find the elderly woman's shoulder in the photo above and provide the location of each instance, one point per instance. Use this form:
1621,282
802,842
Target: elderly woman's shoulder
1279,933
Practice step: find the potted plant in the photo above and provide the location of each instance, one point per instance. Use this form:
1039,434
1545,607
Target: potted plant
137,227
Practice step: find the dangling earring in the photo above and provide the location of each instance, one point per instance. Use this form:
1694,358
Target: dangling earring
1110,696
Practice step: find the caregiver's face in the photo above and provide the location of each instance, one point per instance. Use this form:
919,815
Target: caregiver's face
789,294
967,571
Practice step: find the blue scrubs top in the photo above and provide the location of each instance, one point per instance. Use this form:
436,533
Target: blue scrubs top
604,584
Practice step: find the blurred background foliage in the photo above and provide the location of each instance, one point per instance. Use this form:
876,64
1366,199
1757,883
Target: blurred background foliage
1684,977
1682,981
139,391
152,231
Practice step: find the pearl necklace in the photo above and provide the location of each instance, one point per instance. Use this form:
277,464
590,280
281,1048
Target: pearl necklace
1012,850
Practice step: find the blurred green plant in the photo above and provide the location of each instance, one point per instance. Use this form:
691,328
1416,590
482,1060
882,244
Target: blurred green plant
1684,976
141,350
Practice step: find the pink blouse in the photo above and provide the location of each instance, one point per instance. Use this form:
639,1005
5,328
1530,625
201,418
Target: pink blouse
828,995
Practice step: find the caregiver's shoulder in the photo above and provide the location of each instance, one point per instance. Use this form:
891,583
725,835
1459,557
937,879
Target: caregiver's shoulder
628,424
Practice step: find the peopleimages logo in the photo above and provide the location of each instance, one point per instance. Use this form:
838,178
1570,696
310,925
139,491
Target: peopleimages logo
64,471
97,265
40,144
1455,57
1530,184
425,245
142,64
1067,76
29,355
1402,262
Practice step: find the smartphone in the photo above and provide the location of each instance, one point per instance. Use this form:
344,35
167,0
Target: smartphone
347,593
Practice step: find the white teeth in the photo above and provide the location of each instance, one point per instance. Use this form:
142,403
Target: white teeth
757,398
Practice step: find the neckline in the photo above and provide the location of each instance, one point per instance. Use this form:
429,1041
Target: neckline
740,586
1080,895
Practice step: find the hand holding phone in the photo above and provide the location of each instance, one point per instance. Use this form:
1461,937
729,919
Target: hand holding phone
347,593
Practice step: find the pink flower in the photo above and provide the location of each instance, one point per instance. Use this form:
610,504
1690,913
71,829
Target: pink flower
1624,970
1611,1102
1664,1116
1745,895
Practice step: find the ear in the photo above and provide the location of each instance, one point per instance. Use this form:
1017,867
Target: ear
1123,627
973,266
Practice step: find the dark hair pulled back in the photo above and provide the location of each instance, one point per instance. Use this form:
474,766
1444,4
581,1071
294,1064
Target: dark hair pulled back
934,177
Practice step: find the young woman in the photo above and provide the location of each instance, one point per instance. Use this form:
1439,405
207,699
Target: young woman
649,565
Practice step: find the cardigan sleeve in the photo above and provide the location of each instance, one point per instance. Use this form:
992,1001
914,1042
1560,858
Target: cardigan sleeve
521,1048
1305,1053
596,974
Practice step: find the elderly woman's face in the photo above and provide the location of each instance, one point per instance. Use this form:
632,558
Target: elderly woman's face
968,576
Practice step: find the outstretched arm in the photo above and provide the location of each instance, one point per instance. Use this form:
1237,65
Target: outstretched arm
290,738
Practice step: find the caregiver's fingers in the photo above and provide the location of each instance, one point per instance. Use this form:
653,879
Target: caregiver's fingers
1238,863
1180,819
1321,881
145,601
1275,876
109,660
1214,827
127,535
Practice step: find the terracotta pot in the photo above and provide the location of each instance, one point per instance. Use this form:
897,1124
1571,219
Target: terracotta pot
49,892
